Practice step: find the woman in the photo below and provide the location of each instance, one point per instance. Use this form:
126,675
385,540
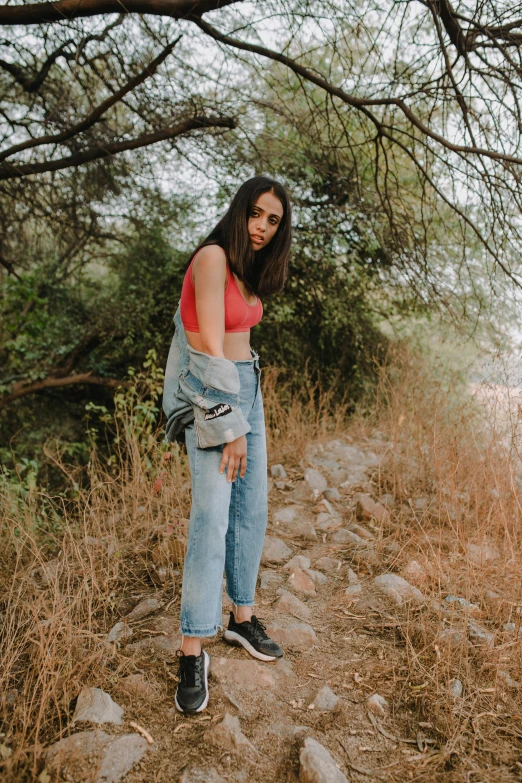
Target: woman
212,391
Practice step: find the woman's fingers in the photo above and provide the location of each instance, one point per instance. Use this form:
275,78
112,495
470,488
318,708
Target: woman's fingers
243,466
224,460
232,469
236,464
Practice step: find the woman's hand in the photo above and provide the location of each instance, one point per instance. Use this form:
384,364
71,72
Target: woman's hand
235,453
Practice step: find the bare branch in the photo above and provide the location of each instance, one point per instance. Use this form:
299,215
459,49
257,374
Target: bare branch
22,388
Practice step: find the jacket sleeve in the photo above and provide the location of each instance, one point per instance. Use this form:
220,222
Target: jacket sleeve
211,384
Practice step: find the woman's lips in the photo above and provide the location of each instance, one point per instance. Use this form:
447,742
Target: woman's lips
257,240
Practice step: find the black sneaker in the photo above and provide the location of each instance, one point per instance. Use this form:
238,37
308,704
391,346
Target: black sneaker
192,690
251,635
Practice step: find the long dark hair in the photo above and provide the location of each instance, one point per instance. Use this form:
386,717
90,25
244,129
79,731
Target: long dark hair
263,271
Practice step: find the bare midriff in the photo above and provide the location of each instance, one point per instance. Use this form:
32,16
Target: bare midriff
236,345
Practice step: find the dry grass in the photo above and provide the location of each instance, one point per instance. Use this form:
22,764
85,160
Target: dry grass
66,565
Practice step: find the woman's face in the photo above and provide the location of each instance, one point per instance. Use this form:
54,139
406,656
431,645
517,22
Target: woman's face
264,220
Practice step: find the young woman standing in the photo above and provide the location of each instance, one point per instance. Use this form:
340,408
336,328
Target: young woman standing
243,259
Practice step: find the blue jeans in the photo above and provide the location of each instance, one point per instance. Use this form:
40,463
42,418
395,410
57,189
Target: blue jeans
227,520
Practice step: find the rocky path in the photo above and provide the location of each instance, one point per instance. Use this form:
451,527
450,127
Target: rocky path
341,705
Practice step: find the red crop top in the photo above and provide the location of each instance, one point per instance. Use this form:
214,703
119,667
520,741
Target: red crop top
239,315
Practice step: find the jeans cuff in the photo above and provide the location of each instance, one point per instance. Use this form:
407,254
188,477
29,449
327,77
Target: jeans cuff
198,633
241,601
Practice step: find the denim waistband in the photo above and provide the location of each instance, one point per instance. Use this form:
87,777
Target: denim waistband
254,360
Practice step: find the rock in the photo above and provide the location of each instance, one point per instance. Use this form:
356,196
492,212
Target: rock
325,506
367,508
345,536
316,576
332,494
481,554
95,757
227,734
377,704
249,675
421,504
293,522
327,564
167,645
278,471
325,699
325,522
267,579
455,688
275,551
362,532
356,478
282,516
299,561
96,706
120,632
507,679
137,685
317,765
414,573
465,606
387,500
353,579
451,637
198,775
293,634
510,627
397,588
283,485
301,582
143,609
480,635
315,480
290,604
353,590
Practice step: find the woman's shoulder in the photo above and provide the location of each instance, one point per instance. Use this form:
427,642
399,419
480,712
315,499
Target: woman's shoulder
210,260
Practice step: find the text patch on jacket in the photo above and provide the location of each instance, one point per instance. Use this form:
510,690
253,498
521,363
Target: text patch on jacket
218,410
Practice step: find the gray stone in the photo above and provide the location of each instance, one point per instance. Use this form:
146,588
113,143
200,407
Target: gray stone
283,516
463,604
227,734
353,590
362,532
451,637
482,554
414,573
300,635
353,579
328,564
325,506
332,494
387,500
508,680
315,480
299,560
290,604
294,522
96,706
278,471
301,582
317,765
143,609
377,704
367,508
120,632
397,588
455,688
248,675
325,699
316,576
345,536
95,757
267,579
326,522
198,775
166,645
275,551
137,685
480,635
509,627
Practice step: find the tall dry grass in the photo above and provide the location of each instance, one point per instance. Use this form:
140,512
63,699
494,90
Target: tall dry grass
67,563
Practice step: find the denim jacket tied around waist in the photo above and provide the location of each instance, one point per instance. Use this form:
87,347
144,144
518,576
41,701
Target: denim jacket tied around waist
202,389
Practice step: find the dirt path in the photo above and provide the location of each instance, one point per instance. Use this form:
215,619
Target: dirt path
354,675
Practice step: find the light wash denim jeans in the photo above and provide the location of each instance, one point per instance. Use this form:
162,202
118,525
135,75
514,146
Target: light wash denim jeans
227,520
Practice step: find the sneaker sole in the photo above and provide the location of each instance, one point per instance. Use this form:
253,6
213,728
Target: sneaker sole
239,641
202,706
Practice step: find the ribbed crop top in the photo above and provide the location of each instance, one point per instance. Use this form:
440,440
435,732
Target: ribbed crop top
239,315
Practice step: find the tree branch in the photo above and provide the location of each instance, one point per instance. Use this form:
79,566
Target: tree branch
22,388
12,171
63,10
352,100
95,115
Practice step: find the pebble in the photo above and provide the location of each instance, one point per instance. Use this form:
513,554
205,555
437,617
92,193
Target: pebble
278,471
316,576
387,499
508,680
325,699
143,609
198,775
324,505
227,734
353,590
137,685
283,516
292,522
461,603
480,635
315,480
451,637
120,632
267,579
249,675
397,588
96,706
298,635
413,572
290,604
345,536
377,704
362,532
455,688
317,765
327,564
275,551
481,554
367,508
332,494
95,757
301,582
299,560
509,627
167,645
326,522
